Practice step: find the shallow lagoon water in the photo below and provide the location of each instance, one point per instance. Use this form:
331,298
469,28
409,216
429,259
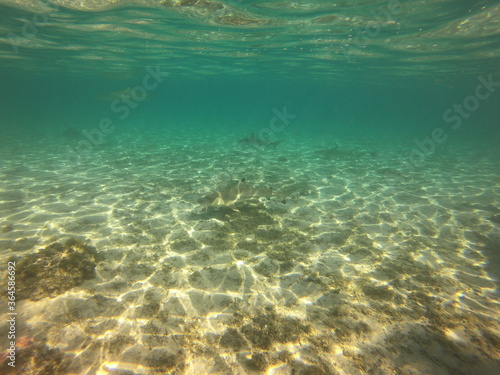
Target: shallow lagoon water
385,256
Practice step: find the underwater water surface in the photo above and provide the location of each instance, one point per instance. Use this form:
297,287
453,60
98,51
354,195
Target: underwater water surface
249,187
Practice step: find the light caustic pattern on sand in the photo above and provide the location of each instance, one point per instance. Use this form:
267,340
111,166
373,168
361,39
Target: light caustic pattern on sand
367,266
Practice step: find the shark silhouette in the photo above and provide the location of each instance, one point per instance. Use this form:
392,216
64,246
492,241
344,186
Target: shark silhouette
240,193
252,140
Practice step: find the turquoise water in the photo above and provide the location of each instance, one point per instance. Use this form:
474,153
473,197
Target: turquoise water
364,237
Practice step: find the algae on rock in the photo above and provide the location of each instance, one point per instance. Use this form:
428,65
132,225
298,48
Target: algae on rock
53,270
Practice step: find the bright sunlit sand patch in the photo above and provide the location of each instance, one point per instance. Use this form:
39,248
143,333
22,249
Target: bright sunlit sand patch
452,335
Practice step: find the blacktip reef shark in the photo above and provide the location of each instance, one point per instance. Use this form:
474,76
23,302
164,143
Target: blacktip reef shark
252,140
239,194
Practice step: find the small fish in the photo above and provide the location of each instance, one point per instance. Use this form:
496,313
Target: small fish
238,194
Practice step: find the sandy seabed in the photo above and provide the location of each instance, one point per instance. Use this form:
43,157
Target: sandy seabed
371,267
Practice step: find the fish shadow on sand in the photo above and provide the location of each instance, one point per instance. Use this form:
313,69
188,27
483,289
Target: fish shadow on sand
226,214
340,153
337,153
